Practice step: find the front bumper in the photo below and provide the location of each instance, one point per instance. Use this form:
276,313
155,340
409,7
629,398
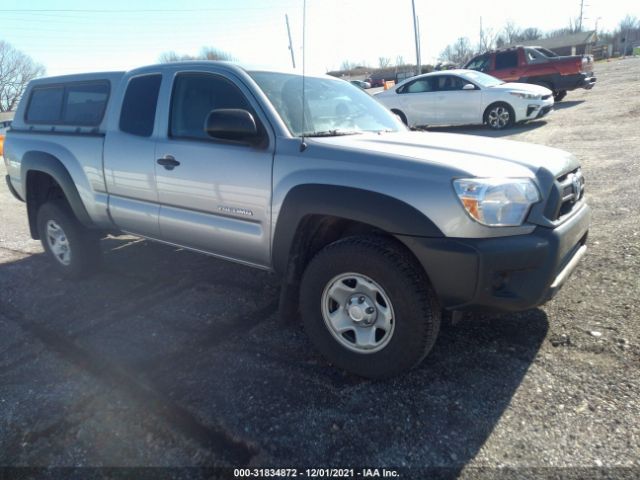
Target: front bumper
578,80
504,273
532,109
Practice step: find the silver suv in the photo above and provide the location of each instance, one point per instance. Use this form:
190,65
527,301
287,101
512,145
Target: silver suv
375,230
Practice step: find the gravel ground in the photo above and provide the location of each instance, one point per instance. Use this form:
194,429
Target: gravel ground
171,359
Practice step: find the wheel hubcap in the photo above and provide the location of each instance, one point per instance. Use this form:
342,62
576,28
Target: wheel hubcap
498,117
58,243
358,313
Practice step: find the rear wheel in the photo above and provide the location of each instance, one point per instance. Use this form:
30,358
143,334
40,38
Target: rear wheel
368,307
74,249
499,116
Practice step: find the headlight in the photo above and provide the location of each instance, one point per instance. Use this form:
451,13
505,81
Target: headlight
528,96
497,202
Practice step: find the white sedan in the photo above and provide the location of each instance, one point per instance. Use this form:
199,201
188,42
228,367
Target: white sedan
465,97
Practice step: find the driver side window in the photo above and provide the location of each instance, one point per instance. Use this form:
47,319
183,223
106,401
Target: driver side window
194,96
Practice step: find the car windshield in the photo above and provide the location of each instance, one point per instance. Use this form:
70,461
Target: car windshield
332,107
483,79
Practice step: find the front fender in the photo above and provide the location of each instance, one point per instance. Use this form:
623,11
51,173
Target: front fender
376,209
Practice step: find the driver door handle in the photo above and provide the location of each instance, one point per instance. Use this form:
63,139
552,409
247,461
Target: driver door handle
168,162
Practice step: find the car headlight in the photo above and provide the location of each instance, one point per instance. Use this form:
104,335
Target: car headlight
497,202
528,96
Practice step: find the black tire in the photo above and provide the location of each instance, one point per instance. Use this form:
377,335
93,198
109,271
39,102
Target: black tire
82,243
416,311
402,116
499,125
559,95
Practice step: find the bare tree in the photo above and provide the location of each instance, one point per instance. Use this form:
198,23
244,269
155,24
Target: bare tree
531,33
628,25
400,61
511,33
573,27
207,53
210,53
384,62
459,52
488,40
629,22
16,71
347,65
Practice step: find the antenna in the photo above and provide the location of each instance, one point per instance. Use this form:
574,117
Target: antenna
416,32
303,145
293,59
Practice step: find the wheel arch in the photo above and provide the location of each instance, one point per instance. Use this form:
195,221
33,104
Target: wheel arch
401,114
43,177
485,114
343,209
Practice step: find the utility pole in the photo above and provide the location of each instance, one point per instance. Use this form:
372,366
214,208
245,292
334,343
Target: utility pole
480,46
581,13
417,35
293,59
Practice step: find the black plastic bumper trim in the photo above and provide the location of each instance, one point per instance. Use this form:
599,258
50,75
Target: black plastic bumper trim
503,273
11,189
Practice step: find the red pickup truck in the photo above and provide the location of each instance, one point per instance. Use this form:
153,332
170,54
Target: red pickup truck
538,66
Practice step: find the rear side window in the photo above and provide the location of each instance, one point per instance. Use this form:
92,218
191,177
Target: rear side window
419,86
85,104
139,105
506,60
45,105
77,104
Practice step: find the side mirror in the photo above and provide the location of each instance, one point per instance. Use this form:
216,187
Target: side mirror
231,124
468,86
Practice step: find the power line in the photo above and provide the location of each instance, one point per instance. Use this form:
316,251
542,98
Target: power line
134,10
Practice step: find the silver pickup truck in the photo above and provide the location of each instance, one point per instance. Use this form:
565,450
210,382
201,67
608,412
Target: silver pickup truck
374,230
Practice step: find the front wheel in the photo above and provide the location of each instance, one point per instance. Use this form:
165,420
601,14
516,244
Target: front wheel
75,250
368,307
499,116
559,95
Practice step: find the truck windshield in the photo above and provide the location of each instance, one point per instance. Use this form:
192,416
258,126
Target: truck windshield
331,107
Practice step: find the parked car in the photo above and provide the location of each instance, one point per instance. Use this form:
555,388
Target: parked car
361,84
377,81
465,97
4,126
373,229
533,65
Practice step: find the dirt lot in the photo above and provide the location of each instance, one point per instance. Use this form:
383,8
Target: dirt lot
168,358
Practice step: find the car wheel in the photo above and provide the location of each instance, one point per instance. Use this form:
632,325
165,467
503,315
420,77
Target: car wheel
499,116
559,95
74,249
401,116
368,307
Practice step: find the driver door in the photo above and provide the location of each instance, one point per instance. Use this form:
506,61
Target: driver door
214,195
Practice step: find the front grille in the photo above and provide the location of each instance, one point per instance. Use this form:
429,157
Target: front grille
567,193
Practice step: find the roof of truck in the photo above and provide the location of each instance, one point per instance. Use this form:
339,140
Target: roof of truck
79,77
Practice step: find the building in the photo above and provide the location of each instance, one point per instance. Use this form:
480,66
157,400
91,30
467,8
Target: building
6,116
571,44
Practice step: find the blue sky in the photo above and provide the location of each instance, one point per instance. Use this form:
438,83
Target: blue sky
75,36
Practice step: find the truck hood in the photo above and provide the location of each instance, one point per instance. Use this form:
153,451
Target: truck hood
471,155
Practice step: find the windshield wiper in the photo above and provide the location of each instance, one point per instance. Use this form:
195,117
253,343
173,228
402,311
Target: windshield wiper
330,133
